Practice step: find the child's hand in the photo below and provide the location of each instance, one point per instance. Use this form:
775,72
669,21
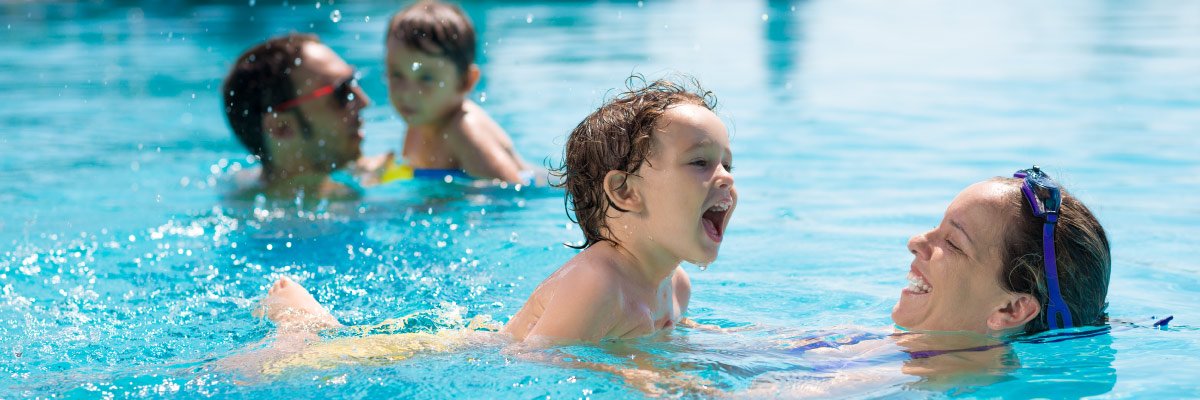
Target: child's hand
368,170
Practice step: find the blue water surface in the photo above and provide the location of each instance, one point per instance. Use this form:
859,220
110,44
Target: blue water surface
124,272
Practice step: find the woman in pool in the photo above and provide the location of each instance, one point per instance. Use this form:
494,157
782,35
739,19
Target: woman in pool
1011,257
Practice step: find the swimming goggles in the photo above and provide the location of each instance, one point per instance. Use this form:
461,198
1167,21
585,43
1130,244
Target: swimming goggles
343,91
1047,210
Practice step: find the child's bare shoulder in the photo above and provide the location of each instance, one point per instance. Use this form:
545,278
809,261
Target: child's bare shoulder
473,126
587,273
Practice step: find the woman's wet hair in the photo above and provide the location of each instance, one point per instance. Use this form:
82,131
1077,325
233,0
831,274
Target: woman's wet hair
1082,252
259,79
617,137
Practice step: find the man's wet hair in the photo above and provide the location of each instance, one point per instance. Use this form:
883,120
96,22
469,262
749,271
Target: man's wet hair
617,137
438,29
259,79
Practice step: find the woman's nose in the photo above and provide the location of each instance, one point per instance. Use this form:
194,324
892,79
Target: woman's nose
919,246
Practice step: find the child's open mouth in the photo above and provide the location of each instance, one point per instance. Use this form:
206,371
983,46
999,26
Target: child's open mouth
715,218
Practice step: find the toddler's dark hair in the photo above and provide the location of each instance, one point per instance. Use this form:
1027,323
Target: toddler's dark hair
436,28
617,136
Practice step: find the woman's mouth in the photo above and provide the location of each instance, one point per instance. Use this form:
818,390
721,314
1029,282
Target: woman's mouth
715,218
917,284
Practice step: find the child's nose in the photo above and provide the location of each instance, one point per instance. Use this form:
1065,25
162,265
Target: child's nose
724,178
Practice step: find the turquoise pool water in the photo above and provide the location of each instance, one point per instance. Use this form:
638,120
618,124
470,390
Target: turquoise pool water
854,123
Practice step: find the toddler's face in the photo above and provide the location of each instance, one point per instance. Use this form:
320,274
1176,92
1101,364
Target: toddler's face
688,190
422,87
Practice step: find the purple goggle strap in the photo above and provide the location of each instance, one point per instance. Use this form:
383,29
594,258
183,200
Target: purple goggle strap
1057,308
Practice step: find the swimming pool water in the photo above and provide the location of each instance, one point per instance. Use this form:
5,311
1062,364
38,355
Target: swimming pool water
124,273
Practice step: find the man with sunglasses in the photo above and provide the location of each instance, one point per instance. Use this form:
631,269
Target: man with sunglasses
294,104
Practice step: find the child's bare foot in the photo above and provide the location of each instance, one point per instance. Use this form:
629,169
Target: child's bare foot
291,307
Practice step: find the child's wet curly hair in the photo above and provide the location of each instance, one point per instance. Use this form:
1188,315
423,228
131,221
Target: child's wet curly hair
617,136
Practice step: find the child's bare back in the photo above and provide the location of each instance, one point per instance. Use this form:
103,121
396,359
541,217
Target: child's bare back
599,295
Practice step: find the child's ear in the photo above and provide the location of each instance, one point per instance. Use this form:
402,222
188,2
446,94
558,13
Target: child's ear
1019,309
621,192
278,126
470,78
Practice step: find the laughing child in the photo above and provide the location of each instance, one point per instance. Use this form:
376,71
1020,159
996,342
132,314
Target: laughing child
431,69
648,178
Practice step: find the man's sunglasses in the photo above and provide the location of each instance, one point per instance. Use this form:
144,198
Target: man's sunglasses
343,91
1047,210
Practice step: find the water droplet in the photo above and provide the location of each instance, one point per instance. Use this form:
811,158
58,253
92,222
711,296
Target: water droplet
703,267
529,18
367,18
335,16
416,66
251,3
640,3
514,237
298,61
482,97
269,247
765,17
318,5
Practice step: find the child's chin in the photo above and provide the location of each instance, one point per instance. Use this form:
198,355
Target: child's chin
705,258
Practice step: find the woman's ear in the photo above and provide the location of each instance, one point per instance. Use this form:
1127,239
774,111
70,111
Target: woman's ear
622,191
470,79
278,126
1019,309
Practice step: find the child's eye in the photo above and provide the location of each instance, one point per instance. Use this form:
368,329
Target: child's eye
699,163
426,79
729,167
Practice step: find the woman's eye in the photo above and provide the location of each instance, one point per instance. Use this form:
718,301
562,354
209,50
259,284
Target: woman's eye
953,246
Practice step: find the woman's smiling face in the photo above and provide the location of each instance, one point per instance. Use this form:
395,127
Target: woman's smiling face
955,273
